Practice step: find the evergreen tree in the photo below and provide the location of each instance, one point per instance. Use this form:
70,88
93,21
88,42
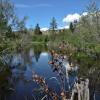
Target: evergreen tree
72,27
37,30
53,25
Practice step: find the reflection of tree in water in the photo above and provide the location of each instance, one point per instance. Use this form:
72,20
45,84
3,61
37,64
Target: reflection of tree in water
90,67
16,70
6,84
37,51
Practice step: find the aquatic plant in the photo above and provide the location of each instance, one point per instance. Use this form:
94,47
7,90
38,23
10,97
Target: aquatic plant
59,64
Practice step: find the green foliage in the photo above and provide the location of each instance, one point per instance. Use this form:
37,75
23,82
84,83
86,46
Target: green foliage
6,17
3,24
86,37
7,10
40,38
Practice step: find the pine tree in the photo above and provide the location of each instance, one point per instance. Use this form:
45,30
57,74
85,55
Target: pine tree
72,27
37,30
53,25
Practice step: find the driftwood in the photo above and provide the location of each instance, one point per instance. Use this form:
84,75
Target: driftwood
81,90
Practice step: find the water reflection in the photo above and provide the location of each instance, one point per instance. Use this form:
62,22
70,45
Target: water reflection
6,84
18,80
16,83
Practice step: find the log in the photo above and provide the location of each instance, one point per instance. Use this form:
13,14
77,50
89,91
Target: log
81,90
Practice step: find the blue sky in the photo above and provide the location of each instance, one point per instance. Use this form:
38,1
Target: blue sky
42,11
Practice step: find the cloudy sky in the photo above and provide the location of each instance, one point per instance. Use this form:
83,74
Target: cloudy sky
42,11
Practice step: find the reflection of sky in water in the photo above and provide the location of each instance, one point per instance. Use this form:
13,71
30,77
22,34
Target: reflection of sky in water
22,74
17,60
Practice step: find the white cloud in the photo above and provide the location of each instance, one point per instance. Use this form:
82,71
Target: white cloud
44,29
71,17
84,13
60,27
66,27
44,54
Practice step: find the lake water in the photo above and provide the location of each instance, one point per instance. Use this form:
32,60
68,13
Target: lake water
17,83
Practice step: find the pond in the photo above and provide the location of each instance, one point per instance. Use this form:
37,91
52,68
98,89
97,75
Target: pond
17,83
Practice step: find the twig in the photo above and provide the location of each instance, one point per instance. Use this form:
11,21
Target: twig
33,97
44,97
26,98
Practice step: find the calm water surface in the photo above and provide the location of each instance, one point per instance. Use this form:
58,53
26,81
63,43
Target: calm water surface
18,84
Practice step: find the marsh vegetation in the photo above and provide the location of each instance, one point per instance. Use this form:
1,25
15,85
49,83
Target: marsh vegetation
38,65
